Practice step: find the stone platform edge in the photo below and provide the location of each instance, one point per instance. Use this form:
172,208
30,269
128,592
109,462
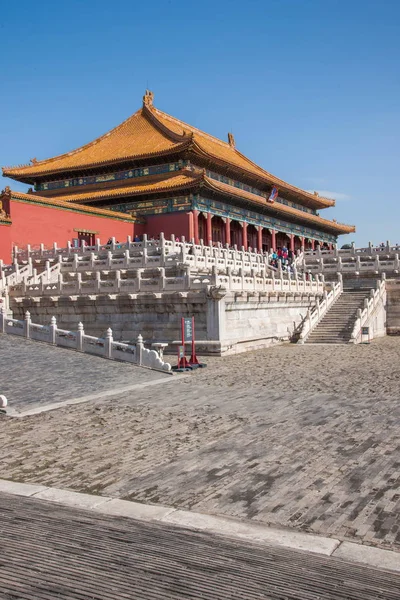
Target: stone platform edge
219,525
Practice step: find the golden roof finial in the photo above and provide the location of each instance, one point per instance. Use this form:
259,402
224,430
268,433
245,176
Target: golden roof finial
34,161
231,140
148,98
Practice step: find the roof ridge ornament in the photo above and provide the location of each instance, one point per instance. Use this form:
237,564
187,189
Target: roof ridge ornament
231,140
34,161
148,98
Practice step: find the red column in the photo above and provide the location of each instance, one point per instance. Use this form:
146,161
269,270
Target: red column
312,244
228,231
259,238
209,228
244,235
190,226
273,239
292,242
303,243
196,226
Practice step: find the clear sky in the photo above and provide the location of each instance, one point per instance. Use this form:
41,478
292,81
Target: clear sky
310,88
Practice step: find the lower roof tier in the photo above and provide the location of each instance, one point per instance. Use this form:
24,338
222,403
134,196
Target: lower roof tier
188,181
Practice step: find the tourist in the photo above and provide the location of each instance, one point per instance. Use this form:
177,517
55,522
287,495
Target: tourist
136,238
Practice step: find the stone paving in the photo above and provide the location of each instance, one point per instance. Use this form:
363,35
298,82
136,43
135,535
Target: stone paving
297,436
44,375
51,551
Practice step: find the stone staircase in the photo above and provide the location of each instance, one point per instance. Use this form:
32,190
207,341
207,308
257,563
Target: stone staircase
337,324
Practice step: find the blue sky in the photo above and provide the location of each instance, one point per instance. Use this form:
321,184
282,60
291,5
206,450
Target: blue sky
310,88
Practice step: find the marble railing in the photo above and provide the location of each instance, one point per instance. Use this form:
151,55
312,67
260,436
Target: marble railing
369,252
354,265
376,301
143,253
78,340
315,314
115,283
14,274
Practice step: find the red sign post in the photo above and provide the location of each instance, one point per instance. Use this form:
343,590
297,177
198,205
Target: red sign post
183,363
187,325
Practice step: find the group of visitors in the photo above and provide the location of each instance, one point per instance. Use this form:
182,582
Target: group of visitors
283,256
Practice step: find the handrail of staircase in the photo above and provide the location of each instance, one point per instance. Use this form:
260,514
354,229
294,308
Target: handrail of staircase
17,275
370,305
318,311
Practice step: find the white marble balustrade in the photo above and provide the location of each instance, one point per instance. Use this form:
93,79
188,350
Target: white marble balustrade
78,340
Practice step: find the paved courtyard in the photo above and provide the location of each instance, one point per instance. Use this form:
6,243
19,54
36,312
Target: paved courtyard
298,436
44,375
51,551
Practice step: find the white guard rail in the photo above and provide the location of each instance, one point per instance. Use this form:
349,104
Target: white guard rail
197,254
378,297
116,284
78,340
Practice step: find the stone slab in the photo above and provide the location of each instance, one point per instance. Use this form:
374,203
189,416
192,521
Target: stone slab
133,510
374,557
20,489
252,532
70,498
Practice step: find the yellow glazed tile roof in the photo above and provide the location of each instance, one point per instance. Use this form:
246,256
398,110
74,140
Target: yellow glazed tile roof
151,132
135,137
278,207
183,180
220,150
68,205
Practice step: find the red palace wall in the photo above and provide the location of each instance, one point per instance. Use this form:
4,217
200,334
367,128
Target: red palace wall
33,224
5,244
179,223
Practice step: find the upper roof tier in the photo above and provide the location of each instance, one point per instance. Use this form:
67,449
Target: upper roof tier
151,133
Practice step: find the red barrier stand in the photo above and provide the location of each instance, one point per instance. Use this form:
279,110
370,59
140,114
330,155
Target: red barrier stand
187,324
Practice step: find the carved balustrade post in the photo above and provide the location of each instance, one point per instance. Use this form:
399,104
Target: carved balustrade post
118,280
139,350
79,337
108,343
27,325
126,258
53,329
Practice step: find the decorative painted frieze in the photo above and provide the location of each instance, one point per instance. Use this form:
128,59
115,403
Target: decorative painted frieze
117,176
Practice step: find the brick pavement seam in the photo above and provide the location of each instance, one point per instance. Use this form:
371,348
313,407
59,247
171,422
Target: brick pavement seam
190,520
13,412
224,526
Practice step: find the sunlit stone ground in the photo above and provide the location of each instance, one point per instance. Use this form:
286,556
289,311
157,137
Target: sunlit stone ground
298,436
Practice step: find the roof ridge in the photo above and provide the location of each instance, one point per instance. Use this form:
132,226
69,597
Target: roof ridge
217,185
76,150
66,204
280,181
190,127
